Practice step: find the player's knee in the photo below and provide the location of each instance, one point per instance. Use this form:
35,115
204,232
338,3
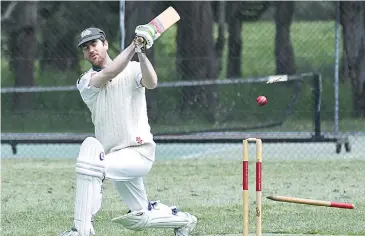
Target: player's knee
90,159
91,149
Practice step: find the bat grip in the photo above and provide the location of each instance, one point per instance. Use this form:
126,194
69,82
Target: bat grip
139,40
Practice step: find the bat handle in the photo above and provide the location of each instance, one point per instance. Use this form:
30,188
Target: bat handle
139,40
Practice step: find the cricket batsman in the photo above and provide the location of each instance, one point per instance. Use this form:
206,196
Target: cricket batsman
123,150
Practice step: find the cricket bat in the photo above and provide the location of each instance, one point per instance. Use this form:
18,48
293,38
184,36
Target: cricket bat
165,20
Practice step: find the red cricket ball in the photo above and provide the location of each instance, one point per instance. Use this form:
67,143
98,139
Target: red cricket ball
261,100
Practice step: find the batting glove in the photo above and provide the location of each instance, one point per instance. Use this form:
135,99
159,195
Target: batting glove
147,32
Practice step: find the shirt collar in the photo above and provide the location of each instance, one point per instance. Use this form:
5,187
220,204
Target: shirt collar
97,68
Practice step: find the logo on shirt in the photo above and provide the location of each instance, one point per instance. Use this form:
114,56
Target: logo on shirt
139,140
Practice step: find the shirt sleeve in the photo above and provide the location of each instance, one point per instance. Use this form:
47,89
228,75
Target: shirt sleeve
88,92
136,73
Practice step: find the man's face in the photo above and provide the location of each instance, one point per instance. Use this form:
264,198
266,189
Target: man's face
95,51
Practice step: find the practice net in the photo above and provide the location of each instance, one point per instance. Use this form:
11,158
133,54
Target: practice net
183,107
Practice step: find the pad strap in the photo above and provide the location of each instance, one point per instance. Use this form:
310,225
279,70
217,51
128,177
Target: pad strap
90,168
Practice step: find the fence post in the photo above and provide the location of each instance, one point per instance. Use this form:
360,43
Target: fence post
317,90
336,74
122,23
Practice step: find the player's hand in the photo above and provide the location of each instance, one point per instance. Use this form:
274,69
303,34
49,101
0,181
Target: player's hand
147,32
139,44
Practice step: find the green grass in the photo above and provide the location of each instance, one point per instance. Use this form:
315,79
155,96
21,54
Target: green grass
37,196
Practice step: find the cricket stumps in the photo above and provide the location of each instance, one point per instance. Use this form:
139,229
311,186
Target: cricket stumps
258,185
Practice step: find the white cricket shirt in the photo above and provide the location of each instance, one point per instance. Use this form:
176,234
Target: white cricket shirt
119,111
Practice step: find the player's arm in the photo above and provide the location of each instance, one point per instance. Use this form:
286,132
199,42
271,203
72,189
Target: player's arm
114,68
149,76
145,35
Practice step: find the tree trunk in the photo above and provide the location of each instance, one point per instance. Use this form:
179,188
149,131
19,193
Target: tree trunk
221,19
62,26
353,23
234,40
59,52
196,58
134,17
22,43
284,53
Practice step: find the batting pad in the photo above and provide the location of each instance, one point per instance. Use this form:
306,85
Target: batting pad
89,179
161,216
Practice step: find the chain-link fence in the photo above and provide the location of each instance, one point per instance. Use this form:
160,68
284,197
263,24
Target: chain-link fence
236,43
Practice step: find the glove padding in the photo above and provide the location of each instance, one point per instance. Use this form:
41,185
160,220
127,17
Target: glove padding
148,33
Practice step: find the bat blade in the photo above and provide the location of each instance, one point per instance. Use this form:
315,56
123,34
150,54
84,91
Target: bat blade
165,20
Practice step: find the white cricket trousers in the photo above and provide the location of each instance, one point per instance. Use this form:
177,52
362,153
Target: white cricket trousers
126,168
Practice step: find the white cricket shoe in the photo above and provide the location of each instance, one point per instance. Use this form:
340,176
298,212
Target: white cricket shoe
187,229
72,232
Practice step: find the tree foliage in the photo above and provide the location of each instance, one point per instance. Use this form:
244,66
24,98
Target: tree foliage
43,35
